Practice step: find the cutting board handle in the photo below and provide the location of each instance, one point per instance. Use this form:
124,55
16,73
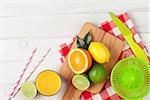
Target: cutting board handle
71,93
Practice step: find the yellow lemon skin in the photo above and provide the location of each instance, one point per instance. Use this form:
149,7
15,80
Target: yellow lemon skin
99,52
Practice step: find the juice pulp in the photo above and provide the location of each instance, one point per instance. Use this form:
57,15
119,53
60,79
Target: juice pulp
48,82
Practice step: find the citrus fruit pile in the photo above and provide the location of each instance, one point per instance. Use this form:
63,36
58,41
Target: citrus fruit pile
86,62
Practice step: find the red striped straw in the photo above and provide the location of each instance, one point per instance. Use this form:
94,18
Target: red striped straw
27,77
24,70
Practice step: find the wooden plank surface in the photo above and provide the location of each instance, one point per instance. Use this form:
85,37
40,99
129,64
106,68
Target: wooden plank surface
26,23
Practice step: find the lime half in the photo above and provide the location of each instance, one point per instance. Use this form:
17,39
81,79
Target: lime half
81,82
29,90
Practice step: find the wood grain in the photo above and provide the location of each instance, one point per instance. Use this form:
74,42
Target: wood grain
71,93
37,21
115,47
37,27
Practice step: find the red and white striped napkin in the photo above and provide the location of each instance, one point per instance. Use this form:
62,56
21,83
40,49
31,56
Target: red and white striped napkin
107,92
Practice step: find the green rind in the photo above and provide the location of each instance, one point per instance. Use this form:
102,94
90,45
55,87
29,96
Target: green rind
97,74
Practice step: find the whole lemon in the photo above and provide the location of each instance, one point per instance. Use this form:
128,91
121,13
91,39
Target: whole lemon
99,52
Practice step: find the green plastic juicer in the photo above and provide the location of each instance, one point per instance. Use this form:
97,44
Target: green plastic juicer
130,78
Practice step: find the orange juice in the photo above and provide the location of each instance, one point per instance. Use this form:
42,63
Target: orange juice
48,82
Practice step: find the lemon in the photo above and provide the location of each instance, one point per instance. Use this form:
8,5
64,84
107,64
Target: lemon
99,52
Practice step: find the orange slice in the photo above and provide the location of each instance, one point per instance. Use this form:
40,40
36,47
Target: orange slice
79,60
48,82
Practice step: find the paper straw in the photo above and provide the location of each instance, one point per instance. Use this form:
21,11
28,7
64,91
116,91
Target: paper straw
24,70
37,65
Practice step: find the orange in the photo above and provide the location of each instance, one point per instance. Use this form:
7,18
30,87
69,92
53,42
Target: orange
79,60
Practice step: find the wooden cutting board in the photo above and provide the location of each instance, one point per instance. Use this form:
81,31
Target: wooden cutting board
115,46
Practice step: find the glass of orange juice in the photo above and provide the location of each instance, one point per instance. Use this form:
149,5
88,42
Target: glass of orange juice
48,82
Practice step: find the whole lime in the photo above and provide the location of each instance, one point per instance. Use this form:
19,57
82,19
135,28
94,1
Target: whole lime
97,73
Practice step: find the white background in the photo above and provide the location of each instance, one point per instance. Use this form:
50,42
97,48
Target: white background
26,24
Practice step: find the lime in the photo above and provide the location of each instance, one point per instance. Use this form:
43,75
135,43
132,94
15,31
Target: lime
97,73
29,90
80,82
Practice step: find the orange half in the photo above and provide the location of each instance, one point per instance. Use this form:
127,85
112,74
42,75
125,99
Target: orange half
48,82
79,60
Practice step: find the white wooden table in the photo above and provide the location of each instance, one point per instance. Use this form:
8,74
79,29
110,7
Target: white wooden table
26,24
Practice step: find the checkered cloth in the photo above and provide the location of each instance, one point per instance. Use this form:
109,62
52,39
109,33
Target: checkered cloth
107,93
